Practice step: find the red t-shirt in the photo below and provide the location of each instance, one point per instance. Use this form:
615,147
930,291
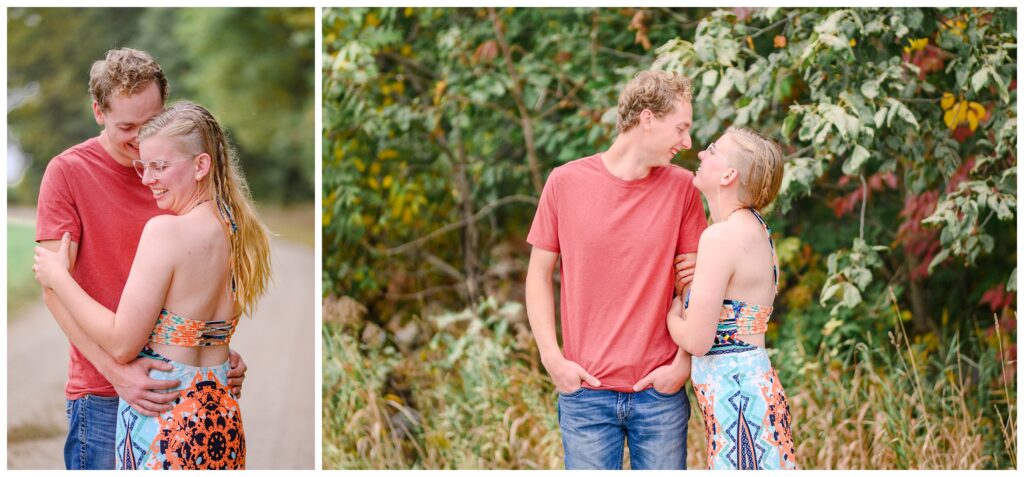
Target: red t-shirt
105,207
617,240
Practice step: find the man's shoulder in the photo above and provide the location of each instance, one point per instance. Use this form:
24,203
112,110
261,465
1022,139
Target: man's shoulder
74,156
575,166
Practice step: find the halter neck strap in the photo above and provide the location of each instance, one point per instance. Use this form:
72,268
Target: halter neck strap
771,244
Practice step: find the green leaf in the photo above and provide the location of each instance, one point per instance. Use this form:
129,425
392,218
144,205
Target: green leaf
979,79
869,89
709,78
880,116
857,159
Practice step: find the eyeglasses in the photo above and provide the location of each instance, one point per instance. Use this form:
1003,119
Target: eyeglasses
156,167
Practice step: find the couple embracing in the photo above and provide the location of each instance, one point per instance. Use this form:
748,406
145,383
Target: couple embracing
149,253
617,221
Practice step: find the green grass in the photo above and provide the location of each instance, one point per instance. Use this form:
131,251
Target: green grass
21,283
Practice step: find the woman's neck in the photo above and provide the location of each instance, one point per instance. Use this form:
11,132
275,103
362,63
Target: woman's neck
723,206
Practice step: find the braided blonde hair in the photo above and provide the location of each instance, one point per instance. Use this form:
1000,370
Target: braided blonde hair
250,246
760,164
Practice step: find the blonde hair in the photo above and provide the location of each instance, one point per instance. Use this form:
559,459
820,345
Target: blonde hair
250,246
653,90
760,164
124,72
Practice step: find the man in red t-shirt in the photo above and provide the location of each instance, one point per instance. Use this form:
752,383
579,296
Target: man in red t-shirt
92,191
615,220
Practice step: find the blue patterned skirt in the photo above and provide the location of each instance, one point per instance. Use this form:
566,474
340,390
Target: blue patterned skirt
746,415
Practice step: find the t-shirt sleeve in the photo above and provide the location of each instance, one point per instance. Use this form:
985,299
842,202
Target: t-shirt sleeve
57,211
693,224
544,231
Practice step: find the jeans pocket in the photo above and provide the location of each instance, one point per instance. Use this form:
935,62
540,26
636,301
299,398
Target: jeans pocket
570,394
663,395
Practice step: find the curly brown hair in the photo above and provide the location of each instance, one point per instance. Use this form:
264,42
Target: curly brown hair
124,72
653,90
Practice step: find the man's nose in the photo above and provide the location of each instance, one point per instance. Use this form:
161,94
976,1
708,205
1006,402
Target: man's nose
686,142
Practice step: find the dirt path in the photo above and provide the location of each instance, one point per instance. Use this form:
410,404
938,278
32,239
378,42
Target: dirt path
277,402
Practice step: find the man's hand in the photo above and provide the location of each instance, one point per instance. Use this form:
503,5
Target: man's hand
133,384
667,379
237,373
684,265
568,376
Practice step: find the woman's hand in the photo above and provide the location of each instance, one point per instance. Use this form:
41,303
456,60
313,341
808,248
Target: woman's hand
49,265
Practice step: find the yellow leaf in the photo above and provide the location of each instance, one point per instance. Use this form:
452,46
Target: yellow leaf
972,120
438,91
853,42
961,112
408,12
372,19
375,168
950,118
359,165
947,100
387,181
406,50
977,108
373,183
407,217
387,154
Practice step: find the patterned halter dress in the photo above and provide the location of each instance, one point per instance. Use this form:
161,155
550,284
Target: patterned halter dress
746,415
204,428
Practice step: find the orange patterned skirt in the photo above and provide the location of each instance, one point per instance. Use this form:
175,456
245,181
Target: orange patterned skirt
202,431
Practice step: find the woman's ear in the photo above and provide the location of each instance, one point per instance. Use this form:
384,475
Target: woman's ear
202,166
730,176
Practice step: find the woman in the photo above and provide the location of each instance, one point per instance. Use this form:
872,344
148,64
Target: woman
746,416
194,274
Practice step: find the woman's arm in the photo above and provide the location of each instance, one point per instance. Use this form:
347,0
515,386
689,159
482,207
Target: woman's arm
125,333
693,329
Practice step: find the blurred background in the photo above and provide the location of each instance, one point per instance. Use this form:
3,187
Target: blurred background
251,67
895,335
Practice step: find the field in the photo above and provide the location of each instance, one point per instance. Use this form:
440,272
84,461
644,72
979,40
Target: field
474,396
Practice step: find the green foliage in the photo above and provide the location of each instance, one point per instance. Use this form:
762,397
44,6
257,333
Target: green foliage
858,93
250,66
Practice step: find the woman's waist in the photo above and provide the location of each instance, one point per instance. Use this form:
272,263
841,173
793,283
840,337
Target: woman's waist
189,357
725,361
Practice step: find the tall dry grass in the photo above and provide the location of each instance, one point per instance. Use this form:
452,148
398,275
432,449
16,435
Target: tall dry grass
471,395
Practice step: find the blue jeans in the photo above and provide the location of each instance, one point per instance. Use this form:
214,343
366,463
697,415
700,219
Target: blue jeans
92,421
596,423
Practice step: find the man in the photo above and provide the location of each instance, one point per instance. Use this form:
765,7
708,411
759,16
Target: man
92,191
615,220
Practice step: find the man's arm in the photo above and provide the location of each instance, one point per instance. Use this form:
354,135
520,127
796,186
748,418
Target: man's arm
540,308
131,381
